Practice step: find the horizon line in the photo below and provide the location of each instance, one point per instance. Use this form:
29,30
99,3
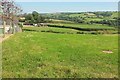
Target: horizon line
72,12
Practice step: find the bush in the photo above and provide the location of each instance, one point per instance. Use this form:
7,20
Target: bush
20,25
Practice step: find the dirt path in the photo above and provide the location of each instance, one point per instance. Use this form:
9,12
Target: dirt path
6,36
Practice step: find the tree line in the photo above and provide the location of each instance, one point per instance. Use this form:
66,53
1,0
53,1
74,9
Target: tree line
35,17
32,18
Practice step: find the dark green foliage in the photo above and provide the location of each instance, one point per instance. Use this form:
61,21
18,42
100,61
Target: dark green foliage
35,17
105,14
108,22
20,25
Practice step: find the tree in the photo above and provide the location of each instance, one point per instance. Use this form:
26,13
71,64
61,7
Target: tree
105,14
35,15
30,17
9,12
34,18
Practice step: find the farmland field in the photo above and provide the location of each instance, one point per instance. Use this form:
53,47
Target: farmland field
42,55
84,25
63,40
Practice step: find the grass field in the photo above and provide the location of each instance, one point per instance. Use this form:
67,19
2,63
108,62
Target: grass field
97,26
93,19
50,29
67,30
37,54
86,28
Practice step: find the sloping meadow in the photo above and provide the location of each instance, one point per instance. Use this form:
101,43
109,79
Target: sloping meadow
50,55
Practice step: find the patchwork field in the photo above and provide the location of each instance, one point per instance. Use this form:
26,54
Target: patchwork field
88,26
41,55
69,40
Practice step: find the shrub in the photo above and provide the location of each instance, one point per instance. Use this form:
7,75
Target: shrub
20,25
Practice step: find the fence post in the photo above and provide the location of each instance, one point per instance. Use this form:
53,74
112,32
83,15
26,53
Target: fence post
10,32
4,24
13,28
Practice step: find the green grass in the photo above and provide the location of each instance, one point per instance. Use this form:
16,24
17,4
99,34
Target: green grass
93,19
82,15
97,26
50,29
59,21
77,15
37,54
66,30
115,14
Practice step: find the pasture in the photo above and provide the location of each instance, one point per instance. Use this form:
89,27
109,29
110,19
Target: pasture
96,26
39,54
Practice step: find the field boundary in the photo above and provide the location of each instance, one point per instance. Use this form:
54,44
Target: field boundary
6,37
76,28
